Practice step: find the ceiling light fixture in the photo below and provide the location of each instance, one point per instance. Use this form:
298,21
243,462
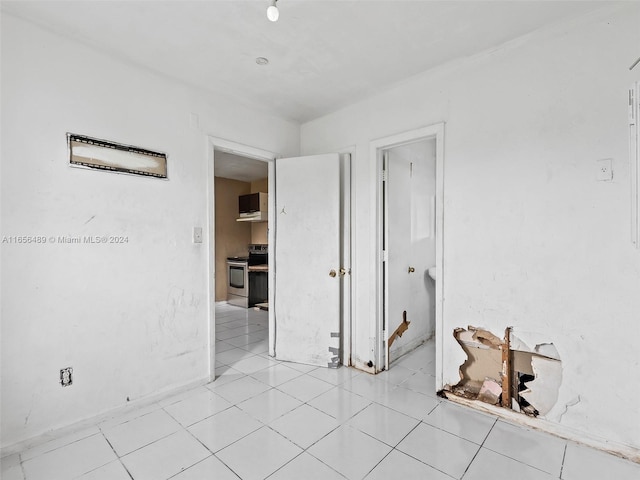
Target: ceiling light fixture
272,12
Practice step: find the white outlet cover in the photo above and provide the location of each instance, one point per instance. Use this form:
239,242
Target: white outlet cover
604,172
197,234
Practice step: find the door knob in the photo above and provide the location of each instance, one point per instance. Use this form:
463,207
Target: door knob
411,269
332,273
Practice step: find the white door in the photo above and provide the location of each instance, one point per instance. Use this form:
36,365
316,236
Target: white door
307,259
410,192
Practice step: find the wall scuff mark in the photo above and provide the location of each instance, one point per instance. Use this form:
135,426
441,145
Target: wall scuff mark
507,371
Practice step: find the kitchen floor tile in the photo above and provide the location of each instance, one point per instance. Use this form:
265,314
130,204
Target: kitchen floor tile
276,374
268,451
239,390
62,441
222,346
537,449
335,376
422,383
441,450
269,405
410,403
581,462
239,331
230,357
166,457
187,393
197,407
350,452
224,428
384,424
305,425
461,421
491,465
340,404
70,461
396,375
141,431
259,348
110,471
225,374
306,467
398,465
301,367
253,364
421,359
211,468
245,340
368,386
305,387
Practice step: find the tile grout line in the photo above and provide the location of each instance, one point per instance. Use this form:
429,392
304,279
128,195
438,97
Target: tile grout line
564,456
213,453
117,456
480,448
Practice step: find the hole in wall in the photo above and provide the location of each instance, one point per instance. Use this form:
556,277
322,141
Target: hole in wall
507,372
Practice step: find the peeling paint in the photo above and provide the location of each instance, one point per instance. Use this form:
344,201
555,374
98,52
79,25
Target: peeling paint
543,391
403,327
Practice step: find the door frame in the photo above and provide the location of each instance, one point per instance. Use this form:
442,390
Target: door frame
347,218
213,144
377,147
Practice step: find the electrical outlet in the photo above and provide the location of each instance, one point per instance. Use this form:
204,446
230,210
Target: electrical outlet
66,376
605,170
197,234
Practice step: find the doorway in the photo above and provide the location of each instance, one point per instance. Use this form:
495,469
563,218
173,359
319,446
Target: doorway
341,351
235,170
410,220
409,239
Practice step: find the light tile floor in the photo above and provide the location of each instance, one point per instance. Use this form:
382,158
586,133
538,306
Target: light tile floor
263,418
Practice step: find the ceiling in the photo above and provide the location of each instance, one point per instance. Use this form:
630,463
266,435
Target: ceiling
235,167
323,54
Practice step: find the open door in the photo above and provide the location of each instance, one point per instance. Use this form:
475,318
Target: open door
307,259
409,222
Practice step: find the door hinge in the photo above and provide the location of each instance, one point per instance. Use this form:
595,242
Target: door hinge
384,176
385,256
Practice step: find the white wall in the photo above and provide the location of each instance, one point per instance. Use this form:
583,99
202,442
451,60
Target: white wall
531,238
131,319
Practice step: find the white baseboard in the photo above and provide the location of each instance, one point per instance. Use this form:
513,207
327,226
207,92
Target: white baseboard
537,423
84,424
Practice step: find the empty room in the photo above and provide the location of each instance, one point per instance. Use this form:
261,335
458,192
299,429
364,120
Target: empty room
311,239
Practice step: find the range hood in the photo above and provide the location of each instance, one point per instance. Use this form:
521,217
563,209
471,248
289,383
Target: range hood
253,207
253,217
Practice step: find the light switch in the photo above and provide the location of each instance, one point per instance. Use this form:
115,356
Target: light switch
605,170
197,234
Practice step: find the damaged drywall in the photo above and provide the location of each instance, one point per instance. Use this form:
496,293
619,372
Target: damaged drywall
404,326
507,371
